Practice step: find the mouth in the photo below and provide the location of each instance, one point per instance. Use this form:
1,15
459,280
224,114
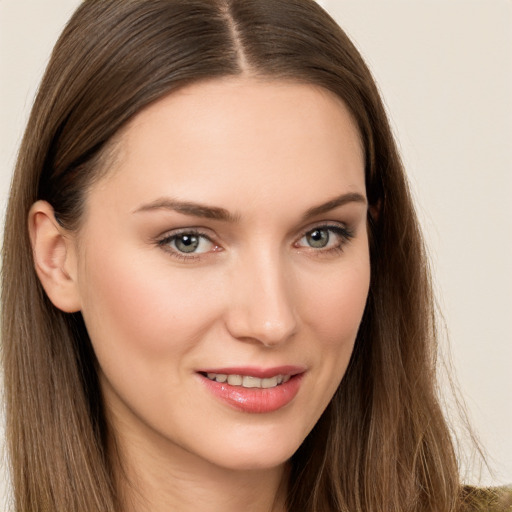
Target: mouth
254,390
248,381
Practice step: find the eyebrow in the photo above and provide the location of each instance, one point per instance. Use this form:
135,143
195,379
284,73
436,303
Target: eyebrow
189,208
351,197
217,213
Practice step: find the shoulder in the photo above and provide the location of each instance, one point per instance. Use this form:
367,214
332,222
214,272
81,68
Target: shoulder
487,499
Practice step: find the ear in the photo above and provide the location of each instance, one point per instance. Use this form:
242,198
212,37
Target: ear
54,255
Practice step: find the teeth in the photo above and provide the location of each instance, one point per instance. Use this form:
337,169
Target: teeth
251,382
269,383
248,381
235,380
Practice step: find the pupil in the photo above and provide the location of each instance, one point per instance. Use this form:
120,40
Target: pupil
187,243
318,238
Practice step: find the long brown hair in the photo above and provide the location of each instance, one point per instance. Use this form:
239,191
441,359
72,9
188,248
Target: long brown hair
382,444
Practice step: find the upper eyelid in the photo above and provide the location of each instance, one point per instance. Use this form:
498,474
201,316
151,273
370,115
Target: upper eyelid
204,231
345,231
325,225
183,231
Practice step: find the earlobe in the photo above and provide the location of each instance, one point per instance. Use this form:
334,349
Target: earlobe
54,257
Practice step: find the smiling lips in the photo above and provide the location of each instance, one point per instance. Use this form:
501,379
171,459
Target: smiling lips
254,390
248,381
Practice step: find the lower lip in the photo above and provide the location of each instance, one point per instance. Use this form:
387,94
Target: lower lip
255,400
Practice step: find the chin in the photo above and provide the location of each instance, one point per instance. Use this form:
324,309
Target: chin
253,462
261,453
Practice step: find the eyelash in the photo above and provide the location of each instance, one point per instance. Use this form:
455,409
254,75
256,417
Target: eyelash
168,239
344,234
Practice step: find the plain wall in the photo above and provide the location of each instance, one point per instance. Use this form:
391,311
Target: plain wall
445,71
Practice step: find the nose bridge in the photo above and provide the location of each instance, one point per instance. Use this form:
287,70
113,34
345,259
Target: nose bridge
262,305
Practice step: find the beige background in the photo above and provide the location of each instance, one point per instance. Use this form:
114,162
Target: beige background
445,70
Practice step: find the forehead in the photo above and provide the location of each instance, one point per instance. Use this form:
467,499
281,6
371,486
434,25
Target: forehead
239,134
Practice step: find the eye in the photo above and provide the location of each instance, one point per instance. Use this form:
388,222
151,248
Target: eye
325,238
187,243
318,238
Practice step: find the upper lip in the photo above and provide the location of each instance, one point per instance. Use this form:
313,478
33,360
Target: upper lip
262,373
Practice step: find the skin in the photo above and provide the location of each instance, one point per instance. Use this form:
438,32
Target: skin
256,293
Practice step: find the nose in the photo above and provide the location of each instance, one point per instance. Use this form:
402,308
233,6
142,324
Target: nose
261,303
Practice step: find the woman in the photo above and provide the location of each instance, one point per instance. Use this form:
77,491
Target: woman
222,299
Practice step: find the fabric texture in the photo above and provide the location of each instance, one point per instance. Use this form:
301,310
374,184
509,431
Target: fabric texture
495,499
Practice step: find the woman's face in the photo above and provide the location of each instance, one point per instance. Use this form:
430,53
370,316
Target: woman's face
222,269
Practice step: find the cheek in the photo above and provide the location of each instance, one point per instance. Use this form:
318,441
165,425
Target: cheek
332,314
335,309
337,313
130,306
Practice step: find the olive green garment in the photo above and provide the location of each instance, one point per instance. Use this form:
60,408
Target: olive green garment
496,499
